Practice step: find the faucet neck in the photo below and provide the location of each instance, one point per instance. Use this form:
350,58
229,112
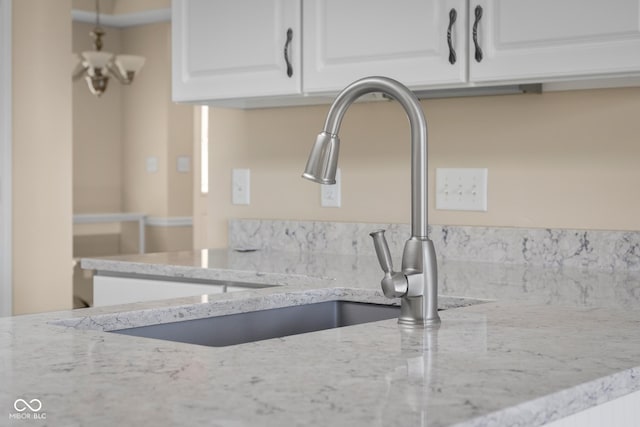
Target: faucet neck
419,145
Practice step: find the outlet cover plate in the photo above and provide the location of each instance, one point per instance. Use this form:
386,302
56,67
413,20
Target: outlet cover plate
330,195
459,189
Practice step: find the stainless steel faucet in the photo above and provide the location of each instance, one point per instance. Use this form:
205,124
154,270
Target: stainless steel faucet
417,283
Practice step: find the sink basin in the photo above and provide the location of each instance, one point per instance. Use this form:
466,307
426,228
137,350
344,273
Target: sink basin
221,331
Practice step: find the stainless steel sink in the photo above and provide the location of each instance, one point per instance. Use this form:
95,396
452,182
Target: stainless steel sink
221,331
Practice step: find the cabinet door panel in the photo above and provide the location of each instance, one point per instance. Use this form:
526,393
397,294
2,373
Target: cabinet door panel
406,40
124,290
234,49
547,39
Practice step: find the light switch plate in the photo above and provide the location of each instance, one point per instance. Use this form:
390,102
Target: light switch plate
460,189
152,164
240,186
330,195
183,164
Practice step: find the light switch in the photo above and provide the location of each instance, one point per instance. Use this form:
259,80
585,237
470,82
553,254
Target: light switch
183,164
240,186
152,164
461,189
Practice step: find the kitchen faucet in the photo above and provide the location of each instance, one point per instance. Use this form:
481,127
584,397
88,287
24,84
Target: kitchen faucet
417,283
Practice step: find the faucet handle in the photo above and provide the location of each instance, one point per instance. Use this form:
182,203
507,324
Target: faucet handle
394,284
382,250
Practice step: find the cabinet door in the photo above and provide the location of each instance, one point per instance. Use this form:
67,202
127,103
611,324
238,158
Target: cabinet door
551,39
235,49
345,40
109,290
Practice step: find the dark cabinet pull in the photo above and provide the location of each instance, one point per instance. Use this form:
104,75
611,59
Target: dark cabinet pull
452,20
478,12
286,52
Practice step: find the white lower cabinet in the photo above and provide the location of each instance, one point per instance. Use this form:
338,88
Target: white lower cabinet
621,412
110,290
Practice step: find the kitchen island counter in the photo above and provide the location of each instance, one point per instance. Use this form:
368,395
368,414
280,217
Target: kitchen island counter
542,344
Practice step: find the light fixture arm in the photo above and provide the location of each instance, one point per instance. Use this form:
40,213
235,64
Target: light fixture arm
115,71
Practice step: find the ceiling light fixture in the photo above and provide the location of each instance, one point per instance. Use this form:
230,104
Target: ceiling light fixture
97,65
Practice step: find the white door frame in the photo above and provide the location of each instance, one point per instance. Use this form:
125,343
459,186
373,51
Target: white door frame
6,294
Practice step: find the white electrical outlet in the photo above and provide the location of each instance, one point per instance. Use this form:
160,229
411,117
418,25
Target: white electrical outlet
240,186
461,189
330,194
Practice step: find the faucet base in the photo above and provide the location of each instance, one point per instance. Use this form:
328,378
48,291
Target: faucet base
420,304
412,324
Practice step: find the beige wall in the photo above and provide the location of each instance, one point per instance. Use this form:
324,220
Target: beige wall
133,6
97,153
106,6
564,159
42,155
97,134
145,106
155,127
116,133
163,239
180,184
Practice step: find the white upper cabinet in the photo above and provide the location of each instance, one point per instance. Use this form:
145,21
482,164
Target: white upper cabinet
345,40
235,49
238,53
545,40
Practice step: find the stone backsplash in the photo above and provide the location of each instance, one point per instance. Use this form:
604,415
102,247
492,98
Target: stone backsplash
549,247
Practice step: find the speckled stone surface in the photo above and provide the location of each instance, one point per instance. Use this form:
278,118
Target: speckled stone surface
549,247
553,342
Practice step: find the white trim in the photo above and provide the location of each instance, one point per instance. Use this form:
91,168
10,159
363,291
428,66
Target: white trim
612,82
107,217
123,20
116,217
6,290
173,221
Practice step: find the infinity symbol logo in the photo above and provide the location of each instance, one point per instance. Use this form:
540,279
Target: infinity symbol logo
21,405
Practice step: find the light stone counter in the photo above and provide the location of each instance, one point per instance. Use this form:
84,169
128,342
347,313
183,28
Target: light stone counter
549,343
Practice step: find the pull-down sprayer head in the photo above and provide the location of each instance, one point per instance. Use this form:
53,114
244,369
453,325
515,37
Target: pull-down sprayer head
323,159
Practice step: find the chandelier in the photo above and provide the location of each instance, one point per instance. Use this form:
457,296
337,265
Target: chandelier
97,65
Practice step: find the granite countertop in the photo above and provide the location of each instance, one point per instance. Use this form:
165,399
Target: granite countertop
544,343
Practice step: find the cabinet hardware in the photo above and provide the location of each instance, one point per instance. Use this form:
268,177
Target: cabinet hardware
452,20
478,13
286,52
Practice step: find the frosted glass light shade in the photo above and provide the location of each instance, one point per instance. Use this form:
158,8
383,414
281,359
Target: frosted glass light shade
129,64
97,59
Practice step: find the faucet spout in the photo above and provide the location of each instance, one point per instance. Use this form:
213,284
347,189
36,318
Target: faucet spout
418,285
328,141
